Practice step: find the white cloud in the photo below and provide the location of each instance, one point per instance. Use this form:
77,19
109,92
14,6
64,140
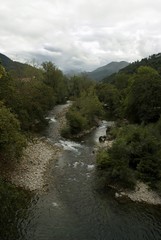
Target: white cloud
80,34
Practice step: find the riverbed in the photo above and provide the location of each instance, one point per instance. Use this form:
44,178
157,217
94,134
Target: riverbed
73,209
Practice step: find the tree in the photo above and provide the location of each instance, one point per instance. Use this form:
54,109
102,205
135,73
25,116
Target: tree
113,164
143,102
54,78
76,122
11,139
79,84
2,71
29,100
83,113
135,154
110,96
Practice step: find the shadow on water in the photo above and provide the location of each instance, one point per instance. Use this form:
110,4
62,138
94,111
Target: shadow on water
14,210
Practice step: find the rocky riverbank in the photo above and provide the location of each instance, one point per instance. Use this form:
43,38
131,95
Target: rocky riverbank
142,193
29,173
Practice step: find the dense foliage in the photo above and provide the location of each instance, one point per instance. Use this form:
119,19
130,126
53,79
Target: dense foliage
54,78
135,154
153,61
133,98
11,139
83,114
24,105
79,84
110,96
143,102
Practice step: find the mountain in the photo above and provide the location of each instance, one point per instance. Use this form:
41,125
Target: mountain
17,69
107,70
153,61
6,62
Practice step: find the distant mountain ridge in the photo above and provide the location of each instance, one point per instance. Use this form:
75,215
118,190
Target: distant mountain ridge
6,62
17,69
23,70
107,70
153,61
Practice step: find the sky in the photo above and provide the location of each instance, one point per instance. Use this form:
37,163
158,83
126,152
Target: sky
80,34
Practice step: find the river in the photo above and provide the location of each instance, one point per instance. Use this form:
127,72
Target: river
74,209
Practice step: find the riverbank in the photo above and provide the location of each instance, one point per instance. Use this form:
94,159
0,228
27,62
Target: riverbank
141,193
29,172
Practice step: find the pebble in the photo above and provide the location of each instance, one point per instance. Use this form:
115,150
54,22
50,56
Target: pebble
29,172
142,193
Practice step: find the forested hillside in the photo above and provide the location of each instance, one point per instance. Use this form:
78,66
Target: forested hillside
153,61
19,70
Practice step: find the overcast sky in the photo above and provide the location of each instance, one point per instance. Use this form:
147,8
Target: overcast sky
80,34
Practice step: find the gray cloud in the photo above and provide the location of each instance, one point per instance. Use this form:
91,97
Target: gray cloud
80,34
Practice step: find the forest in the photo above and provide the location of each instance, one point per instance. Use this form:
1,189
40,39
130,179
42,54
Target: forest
131,98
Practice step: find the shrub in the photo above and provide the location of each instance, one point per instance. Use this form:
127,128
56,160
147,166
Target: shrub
65,132
11,139
134,154
76,121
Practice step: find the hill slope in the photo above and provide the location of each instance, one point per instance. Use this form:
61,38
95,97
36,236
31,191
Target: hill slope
107,70
153,61
17,69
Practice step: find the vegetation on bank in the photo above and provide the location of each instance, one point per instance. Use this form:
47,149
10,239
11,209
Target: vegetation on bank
12,140
135,154
83,114
133,99
24,104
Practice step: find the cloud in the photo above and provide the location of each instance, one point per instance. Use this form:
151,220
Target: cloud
80,34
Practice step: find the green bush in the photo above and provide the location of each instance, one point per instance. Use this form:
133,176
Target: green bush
135,154
66,132
115,165
84,113
76,121
12,141
143,102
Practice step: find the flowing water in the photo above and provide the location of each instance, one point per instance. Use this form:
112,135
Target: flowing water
72,208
